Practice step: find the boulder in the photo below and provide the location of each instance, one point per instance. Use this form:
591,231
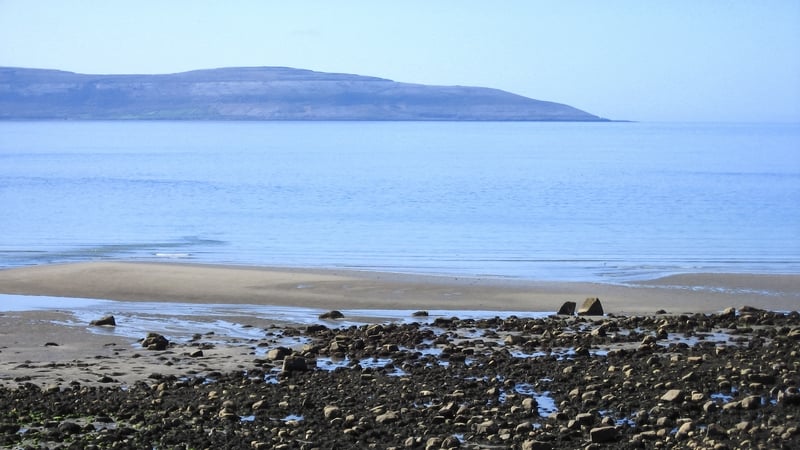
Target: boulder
294,364
591,307
603,434
331,315
567,309
278,353
155,341
316,328
107,321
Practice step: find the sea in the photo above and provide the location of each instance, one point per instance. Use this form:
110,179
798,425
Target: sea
603,202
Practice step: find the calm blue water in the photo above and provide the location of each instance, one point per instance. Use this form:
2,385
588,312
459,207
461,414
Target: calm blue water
577,201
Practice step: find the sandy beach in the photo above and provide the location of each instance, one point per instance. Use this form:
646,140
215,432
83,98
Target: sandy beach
146,296
246,347
342,289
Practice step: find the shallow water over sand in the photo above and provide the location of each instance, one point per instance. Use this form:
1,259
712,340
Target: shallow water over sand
181,321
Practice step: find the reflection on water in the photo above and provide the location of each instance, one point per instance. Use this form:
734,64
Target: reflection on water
182,321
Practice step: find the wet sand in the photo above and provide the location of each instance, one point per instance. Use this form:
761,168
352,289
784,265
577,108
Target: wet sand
56,344
342,289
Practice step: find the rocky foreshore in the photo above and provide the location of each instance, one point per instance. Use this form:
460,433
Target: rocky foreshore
704,381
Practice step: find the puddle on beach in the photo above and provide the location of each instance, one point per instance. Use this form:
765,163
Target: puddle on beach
182,321
331,364
289,418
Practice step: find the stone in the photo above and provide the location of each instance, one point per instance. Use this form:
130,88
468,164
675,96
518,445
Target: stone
259,405
673,396
387,417
601,435
536,445
227,414
790,396
763,378
684,430
585,419
524,427
433,443
420,314
486,427
331,411
69,428
294,364
278,353
107,321
450,442
315,328
715,430
567,309
331,315
751,402
591,307
530,405
155,341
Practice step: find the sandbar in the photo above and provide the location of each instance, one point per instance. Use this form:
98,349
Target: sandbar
348,289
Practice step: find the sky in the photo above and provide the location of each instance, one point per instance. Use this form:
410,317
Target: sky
644,60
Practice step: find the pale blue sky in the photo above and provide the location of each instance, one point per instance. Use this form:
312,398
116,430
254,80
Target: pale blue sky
677,60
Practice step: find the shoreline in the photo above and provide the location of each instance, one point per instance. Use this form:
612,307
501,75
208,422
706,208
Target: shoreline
238,363
352,289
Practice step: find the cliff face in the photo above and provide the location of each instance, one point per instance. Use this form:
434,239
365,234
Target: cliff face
258,93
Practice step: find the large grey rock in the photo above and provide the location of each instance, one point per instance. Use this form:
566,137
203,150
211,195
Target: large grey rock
591,307
567,309
278,353
107,321
155,341
603,434
331,315
294,364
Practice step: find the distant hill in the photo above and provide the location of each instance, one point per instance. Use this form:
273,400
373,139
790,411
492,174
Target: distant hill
258,93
